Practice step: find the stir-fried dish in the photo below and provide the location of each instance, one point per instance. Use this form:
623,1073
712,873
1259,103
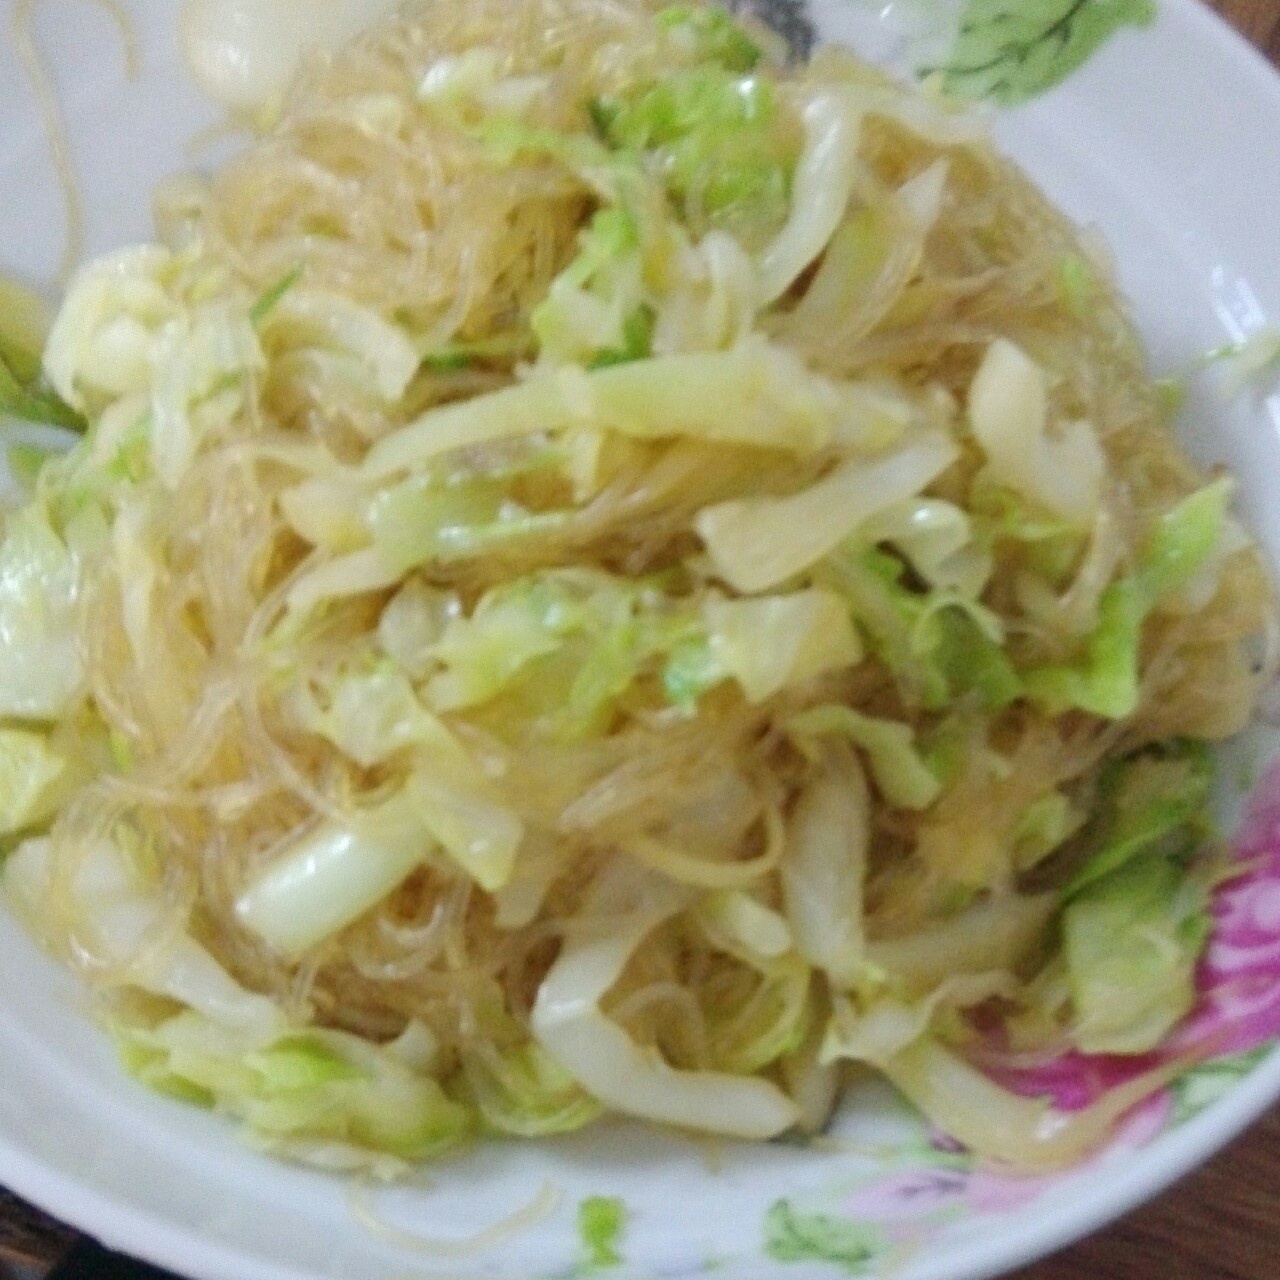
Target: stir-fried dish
609,573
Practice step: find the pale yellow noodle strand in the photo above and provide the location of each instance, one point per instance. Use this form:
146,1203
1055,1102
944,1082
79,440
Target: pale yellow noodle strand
54,123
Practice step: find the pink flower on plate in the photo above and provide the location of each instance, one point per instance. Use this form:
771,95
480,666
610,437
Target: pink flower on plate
912,1200
1259,834
1072,1081
991,1191
1233,1018
994,1192
1238,1010
1238,979
1246,938
925,1193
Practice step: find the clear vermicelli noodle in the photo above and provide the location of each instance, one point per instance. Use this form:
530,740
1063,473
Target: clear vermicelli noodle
610,572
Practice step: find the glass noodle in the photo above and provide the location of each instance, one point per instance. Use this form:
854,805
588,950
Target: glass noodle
607,571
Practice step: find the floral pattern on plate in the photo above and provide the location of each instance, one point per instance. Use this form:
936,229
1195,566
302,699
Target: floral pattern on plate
1001,51
886,1210
863,1227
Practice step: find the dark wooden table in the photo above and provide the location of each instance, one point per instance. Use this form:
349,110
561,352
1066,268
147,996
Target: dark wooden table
1221,1223
1259,20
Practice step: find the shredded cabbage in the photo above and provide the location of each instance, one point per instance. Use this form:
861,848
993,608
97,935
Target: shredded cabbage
39,591
604,572
33,779
769,642
755,395
823,879
1150,800
1106,681
1009,412
300,1088
1131,941
824,180
23,393
757,543
599,1054
523,1091
901,774
333,875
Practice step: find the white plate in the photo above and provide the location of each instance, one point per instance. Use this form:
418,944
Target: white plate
1166,140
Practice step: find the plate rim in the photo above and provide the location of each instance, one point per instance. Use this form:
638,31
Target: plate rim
1021,1238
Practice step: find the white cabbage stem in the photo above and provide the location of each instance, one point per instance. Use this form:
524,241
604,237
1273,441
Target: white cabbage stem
754,395
243,53
333,875
626,1077
122,925
825,867
1009,412
820,193
756,543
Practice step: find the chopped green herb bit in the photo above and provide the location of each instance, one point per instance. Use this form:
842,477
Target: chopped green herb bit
270,298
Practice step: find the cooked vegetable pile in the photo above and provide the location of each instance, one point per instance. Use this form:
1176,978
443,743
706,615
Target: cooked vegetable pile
606,572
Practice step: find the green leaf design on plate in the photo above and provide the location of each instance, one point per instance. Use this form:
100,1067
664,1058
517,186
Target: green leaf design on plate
1202,1086
793,1236
601,1220
1010,50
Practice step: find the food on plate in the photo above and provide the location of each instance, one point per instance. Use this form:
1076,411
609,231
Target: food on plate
608,572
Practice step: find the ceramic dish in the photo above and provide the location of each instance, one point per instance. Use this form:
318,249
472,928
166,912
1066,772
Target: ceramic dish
1156,125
